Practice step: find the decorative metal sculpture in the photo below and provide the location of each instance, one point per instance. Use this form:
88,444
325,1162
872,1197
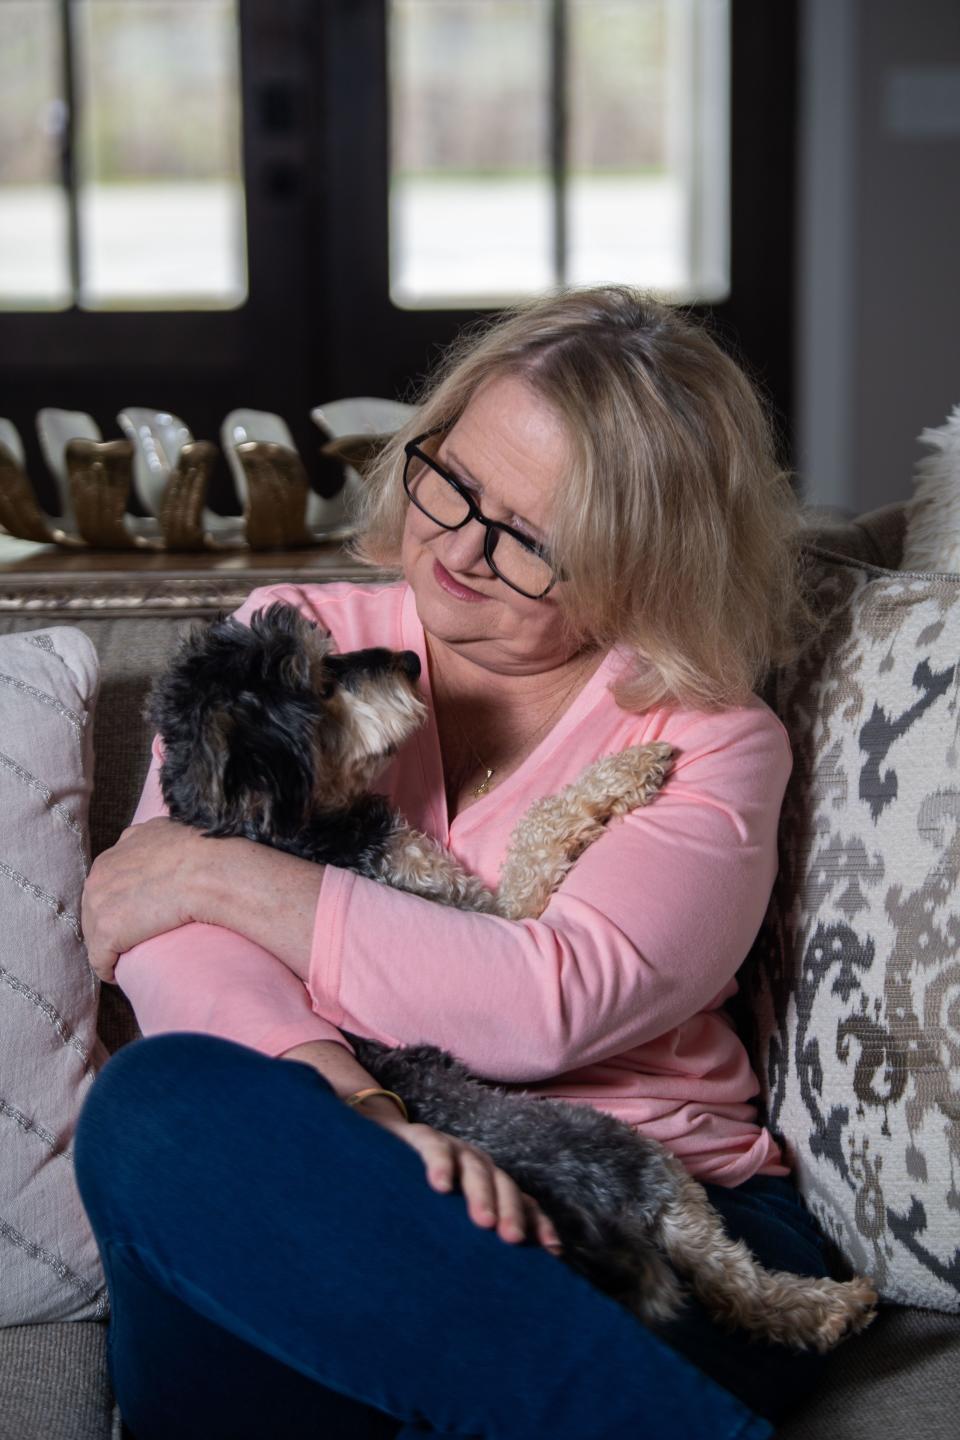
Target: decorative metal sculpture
99,476
95,478
20,514
275,504
181,505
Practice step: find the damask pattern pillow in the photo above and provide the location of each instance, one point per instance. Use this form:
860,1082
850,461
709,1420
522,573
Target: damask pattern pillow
49,1051
857,998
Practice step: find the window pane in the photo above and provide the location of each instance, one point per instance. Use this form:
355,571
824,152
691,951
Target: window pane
161,200
34,266
646,188
648,145
470,206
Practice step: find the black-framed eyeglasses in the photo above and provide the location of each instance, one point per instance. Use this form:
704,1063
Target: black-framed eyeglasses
514,558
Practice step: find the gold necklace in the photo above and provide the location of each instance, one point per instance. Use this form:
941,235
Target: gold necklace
491,770
484,785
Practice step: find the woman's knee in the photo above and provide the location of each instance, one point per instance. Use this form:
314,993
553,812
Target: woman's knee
161,1058
126,1104
141,1076
157,1096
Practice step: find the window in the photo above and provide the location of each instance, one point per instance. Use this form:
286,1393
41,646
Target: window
121,186
328,310
542,142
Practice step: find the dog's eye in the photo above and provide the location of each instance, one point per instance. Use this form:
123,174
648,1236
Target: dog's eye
326,691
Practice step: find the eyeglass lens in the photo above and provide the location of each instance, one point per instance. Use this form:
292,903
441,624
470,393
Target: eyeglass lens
443,503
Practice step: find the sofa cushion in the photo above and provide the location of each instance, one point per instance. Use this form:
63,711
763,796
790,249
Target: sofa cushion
875,536
54,1383
132,648
897,1378
856,980
49,1050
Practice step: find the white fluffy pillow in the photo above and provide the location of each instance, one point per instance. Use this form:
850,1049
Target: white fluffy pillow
49,1050
932,539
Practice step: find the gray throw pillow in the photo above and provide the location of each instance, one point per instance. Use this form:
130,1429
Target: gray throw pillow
857,997
49,1050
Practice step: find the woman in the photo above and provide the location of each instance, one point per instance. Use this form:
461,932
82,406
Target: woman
596,550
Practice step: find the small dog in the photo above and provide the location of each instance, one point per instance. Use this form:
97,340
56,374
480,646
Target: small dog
269,735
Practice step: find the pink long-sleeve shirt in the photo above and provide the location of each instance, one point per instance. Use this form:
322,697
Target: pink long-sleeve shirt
611,998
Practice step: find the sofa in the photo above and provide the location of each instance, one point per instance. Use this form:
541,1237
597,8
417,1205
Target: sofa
901,1375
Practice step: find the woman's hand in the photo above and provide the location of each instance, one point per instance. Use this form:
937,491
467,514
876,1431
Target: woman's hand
140,887
493,1198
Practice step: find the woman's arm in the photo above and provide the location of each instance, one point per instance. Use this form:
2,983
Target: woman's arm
177,973
645,934
181,975
647,931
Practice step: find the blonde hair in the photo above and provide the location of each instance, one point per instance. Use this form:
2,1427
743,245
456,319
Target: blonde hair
678,534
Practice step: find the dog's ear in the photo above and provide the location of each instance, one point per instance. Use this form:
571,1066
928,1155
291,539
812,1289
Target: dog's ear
171,699
267,780
279,618
233,716
295,643
195,735
196,777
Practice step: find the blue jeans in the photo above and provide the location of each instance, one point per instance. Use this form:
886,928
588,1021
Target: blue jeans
279,1265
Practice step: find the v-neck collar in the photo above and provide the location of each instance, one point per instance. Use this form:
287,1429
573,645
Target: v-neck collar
428,737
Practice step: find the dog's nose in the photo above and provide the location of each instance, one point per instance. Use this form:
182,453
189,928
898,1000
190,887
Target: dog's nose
410,664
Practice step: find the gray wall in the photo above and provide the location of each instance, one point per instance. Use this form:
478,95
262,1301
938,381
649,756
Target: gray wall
878,305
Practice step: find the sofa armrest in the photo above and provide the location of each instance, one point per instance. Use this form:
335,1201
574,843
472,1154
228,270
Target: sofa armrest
875,537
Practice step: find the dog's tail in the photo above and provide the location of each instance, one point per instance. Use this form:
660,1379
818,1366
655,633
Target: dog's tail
796,1310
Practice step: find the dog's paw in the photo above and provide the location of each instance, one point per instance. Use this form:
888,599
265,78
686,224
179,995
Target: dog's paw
631,778
857,1306
835,1310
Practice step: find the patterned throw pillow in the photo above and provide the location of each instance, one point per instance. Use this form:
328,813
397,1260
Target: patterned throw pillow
49,1051
855,981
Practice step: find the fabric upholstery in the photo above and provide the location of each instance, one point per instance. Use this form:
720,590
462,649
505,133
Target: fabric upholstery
875,537
54,1383
857,998
897,1378
49,1050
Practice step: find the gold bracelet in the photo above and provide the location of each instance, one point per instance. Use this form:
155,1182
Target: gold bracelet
360,1095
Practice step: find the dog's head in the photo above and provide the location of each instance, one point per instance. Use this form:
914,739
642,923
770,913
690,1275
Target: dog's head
263,726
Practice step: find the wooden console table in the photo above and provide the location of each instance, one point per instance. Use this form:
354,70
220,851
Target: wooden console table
43,578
